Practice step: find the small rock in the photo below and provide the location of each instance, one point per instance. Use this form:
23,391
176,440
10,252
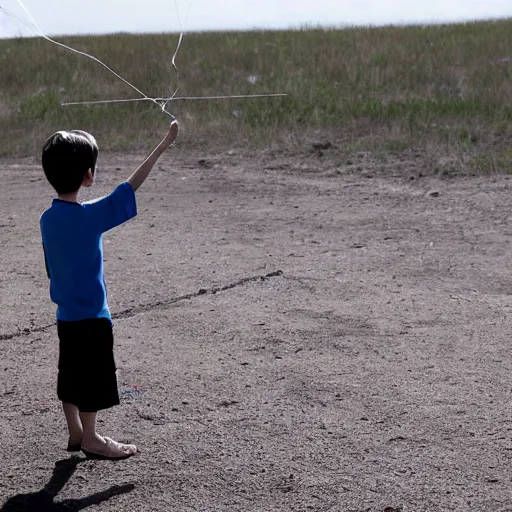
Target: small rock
319,146
205,163
433,193
228,403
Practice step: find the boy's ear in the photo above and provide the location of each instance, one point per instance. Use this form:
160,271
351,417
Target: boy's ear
88,179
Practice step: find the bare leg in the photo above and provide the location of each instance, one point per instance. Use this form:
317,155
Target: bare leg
74,425
95,444
91,440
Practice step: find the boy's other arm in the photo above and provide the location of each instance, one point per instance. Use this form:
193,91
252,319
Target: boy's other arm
142,172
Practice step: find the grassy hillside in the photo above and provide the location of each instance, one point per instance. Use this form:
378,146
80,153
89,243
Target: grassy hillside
442,88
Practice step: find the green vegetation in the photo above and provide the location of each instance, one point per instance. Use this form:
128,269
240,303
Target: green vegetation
444,87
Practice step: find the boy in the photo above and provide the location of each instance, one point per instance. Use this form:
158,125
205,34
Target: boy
72,241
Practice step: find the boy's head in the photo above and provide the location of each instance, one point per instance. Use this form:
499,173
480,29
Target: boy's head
69,158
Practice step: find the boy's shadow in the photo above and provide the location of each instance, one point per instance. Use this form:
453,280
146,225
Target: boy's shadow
43,500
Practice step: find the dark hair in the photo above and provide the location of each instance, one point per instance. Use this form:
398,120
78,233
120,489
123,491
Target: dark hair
67,156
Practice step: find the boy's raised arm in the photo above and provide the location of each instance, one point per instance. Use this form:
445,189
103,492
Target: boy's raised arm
142,172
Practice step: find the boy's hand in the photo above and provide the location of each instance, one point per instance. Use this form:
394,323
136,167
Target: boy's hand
142,172
172,134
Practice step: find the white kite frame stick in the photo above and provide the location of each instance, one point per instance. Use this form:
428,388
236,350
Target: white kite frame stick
179,98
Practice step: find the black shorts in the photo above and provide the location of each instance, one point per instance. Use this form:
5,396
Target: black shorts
87,370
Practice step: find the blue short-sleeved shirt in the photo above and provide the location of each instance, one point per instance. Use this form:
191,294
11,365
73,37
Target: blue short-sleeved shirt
72,242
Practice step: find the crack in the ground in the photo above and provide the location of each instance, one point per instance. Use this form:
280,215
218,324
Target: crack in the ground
161,304
136,310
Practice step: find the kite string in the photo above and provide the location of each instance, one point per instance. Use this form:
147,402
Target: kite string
178,46
16,19
42,34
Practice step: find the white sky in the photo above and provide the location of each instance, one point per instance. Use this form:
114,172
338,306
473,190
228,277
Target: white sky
56,17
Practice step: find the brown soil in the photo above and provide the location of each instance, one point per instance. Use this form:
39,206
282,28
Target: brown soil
369,371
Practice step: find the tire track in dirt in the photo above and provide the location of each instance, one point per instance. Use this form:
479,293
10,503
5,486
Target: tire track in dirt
161,304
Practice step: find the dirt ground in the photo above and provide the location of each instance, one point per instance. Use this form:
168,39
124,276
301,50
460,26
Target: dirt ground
292,334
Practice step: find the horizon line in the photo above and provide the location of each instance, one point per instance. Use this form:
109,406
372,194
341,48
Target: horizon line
306,26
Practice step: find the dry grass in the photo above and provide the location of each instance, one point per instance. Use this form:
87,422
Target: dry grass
445,87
